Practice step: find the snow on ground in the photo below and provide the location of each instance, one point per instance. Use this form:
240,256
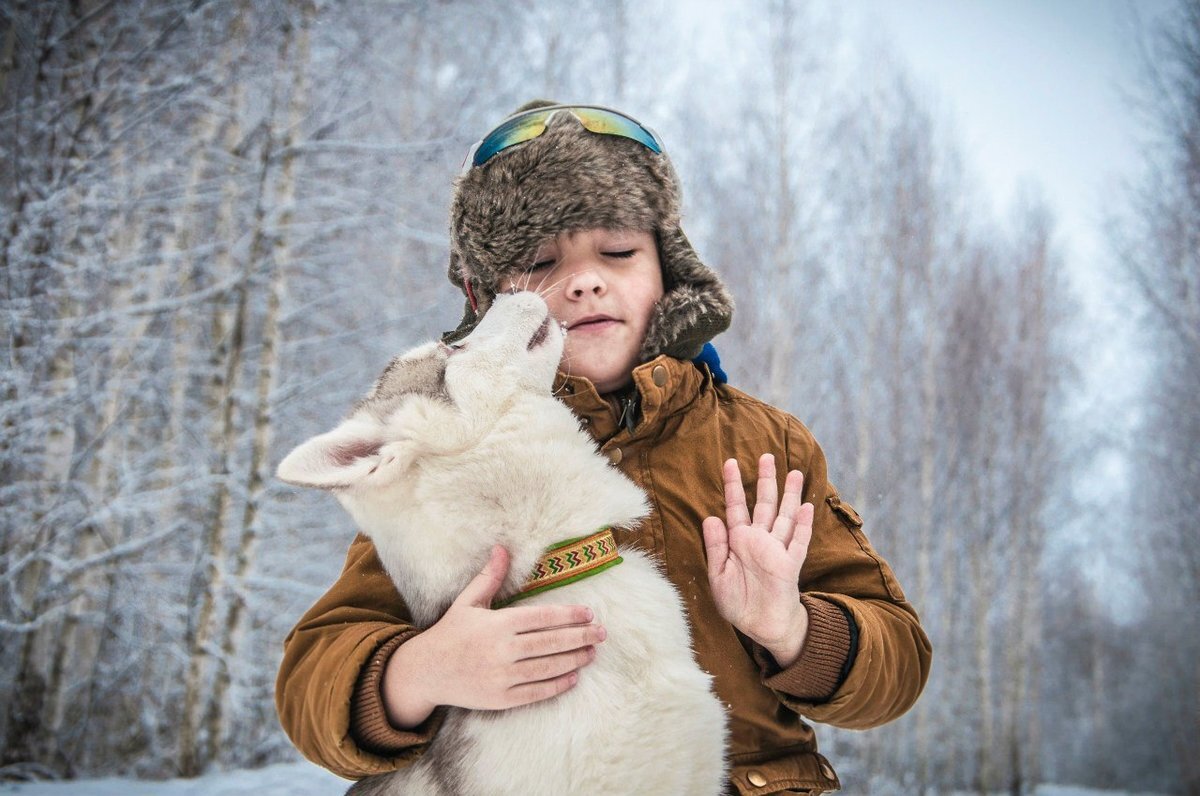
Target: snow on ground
284,779
300,779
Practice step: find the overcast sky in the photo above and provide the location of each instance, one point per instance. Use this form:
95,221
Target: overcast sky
1033,86
1034,90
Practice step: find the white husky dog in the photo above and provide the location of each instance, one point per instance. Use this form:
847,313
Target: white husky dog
459,448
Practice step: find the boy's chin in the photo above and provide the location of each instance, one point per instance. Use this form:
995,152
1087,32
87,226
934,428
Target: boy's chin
607,381
607,369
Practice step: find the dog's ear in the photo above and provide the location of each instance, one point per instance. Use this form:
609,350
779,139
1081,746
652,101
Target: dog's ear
340,458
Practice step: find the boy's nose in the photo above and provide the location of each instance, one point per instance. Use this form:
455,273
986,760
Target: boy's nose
584,281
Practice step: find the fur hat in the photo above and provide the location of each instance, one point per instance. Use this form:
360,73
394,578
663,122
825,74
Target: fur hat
565,179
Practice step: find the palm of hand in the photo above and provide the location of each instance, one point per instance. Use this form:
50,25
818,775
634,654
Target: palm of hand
758,565
754,564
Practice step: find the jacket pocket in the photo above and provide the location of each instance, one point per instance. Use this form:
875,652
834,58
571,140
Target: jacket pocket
803,772
853,522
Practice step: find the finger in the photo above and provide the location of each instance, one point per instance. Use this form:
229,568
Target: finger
793,489
483,587
529,693
785,523
535,618
798,546
735,497
716,545
554,642
535,670
765,503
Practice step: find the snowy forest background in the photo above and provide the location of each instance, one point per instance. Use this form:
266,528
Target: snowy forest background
220,218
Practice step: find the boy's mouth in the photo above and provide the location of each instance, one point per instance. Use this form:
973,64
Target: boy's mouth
592,322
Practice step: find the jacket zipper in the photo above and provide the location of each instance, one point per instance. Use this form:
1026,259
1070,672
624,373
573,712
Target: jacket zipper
628,416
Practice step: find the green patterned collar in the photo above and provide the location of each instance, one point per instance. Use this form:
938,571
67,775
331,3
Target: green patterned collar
569,561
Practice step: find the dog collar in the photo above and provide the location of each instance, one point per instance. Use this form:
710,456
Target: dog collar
568,562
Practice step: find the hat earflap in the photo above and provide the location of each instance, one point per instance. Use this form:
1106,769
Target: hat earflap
695,307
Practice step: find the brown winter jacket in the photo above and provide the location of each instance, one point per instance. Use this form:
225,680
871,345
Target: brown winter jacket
864,662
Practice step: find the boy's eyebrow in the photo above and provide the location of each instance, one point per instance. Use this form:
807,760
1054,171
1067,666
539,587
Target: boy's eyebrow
608,235
625,234
572,233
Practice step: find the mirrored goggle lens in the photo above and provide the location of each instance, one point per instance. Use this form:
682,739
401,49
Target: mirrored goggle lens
609,123
513,132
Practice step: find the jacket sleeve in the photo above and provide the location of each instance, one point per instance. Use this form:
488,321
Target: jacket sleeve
866,658
327,692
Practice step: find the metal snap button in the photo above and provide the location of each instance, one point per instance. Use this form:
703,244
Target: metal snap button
756,779
615,455
827,771
659,375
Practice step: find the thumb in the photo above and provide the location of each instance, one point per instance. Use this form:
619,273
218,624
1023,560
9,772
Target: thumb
483,587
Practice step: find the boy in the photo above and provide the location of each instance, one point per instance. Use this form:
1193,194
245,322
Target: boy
582,204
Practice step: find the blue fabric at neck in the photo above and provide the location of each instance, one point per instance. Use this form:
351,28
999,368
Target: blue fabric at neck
708,356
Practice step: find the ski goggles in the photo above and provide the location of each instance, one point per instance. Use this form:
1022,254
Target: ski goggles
530,124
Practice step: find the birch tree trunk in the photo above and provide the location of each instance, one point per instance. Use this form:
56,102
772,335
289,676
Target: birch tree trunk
783,255
927,492
981,587
205,661
47,350
272,245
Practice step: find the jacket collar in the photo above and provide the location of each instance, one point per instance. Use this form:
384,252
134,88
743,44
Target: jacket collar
665,386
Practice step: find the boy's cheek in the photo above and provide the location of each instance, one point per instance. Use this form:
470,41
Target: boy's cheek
516,282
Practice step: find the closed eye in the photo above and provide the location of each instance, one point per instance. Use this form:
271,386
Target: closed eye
622,254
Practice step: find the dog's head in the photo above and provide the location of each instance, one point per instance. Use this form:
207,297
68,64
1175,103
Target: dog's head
436,399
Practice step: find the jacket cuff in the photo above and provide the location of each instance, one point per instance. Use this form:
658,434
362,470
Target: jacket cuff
824,661
369,724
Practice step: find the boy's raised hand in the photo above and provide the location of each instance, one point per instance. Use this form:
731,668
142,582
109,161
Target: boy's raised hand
484,659
754,562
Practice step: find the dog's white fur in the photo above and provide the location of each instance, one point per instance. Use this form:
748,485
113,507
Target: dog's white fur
456,450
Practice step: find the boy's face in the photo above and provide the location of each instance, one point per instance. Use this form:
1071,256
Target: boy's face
602,284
